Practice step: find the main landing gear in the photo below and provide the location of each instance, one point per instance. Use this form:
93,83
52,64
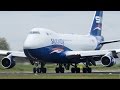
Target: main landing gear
59,69
87,69
38,69
75,69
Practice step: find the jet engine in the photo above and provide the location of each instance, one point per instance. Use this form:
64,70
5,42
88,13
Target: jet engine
108,60
8,62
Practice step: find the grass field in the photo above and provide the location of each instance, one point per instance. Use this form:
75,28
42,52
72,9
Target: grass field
73,76
50,68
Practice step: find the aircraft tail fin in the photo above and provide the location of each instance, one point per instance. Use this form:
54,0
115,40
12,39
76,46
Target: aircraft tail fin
97,24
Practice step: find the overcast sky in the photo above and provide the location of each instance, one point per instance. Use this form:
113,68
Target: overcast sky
15,25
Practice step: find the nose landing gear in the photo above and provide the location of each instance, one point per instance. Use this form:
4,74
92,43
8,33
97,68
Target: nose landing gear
38,69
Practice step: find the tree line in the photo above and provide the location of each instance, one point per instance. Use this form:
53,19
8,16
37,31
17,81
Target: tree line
4,44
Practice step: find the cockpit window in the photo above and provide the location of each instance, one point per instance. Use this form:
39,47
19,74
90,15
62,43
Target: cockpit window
34,32
48,33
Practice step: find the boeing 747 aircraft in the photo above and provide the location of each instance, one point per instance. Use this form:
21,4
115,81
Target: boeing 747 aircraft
44,46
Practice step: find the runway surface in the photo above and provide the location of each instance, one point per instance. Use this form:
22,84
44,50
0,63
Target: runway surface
53,73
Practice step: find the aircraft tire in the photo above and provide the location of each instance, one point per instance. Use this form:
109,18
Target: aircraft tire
61,70
38,70
43,70
72,70
77,70
34,70
89,70
84,70
57,70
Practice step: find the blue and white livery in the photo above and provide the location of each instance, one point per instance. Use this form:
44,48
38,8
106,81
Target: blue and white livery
45,46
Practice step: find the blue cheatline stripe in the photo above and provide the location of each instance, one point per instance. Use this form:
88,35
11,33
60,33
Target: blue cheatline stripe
47,53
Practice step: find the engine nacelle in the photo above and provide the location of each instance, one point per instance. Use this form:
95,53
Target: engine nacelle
108,60
8,62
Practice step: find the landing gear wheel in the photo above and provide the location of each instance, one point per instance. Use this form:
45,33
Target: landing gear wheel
77,70
38,70
87,70
43,70
34,70
57,70
61,70
84,70
72,70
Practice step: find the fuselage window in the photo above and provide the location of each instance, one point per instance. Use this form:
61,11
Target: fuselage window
34,32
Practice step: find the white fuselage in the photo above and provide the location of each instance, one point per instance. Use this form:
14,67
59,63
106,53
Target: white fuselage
40,37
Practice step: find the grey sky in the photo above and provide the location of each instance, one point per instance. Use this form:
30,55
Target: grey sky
15,25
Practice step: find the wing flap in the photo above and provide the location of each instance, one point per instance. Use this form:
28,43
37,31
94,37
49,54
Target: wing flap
89,53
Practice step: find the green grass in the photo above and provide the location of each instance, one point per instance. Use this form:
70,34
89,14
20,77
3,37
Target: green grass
18,67
21,68
73,76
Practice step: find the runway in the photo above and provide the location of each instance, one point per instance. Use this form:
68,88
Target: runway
53,73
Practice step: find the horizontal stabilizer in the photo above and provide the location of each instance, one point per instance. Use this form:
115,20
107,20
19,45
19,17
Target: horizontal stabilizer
73,54
107,42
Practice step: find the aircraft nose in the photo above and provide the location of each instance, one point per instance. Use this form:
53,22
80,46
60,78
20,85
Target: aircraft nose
32,42
27,45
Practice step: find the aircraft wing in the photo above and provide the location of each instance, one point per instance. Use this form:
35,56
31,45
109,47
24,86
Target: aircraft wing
90,53
14,53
